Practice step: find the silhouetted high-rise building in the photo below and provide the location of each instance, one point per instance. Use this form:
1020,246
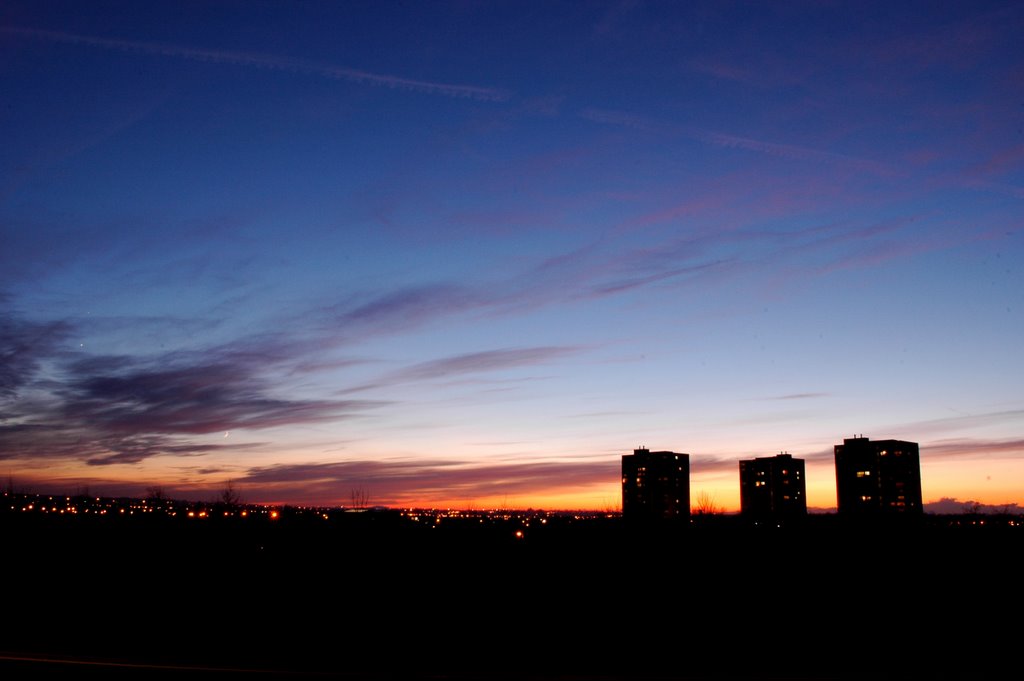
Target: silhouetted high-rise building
881,476
773,487
655,486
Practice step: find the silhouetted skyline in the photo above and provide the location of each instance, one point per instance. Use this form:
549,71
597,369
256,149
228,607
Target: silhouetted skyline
465,255
881,476
655,486
130,587
773,487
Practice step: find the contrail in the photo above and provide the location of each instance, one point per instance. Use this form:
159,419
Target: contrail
268,61
786,150
719,139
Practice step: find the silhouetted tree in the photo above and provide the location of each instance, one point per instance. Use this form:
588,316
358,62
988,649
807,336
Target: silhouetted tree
12,488
155,493
706,505
972,508
229,496
359,497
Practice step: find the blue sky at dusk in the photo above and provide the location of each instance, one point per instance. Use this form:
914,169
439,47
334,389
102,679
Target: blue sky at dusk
468,254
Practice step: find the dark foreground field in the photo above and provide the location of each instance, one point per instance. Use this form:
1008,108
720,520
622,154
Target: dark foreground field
376,597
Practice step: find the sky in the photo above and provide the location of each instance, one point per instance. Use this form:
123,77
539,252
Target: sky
468,254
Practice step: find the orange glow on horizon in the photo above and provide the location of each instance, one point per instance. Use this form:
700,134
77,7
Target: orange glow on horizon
961,477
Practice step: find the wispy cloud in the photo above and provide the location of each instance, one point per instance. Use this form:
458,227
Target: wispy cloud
1001,163
470,363
1005,160
49,438
974,448
701,464
194,399
56,149
791,151
757,68
840,246
614,15
119,409
962,421
636,281
588,272
404,308
821,456
605,268
402,482
952,505
721,69
135,449
478,362
267,61
704,239
960,42
607,414
729,141
628,120
798,396
23,344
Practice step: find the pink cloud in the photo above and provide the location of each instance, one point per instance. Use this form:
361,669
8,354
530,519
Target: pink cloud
729,141
1008,159
958,44
791,151
721,70
974,448
399,483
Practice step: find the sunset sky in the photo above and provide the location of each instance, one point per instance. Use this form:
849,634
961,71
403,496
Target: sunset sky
468,254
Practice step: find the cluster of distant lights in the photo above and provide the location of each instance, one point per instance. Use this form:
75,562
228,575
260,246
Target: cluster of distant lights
434,518
436,515
104,506
81,504
113,506
68,505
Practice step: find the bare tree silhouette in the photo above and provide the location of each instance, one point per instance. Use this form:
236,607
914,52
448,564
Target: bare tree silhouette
706,505
971,508
229,496
359,497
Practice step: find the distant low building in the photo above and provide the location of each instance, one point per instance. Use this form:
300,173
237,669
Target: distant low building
773,487
655,486
878,477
